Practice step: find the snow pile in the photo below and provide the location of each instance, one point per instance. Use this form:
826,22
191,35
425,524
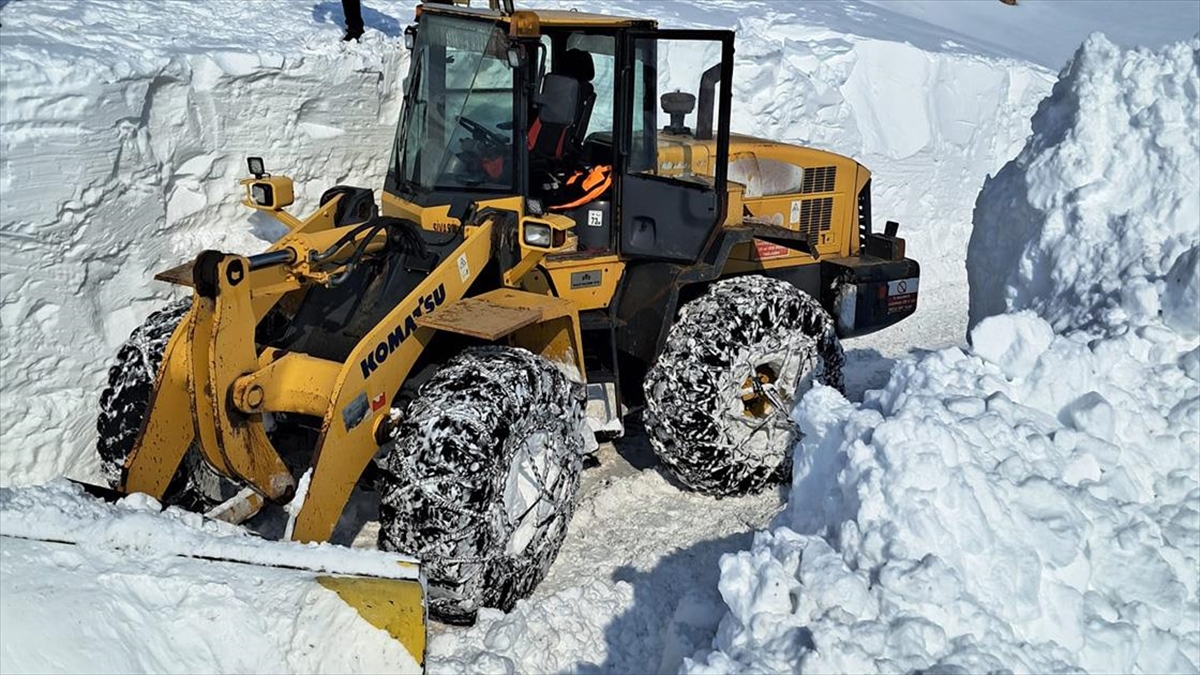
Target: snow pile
1031,504
1034,509
123,603
1096,224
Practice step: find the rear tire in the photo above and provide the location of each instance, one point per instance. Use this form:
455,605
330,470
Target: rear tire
126,401
481,479
719,397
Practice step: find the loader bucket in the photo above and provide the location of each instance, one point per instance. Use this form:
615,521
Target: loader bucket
195,578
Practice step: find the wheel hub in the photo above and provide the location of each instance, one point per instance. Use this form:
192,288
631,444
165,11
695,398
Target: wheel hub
759,398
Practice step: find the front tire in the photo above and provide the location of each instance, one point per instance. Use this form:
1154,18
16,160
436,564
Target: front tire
480,483
719,397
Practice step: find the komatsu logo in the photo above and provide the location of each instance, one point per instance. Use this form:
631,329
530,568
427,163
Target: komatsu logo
425,304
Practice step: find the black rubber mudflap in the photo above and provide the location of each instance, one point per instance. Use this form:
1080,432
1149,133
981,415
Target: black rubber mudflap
492,424
696,417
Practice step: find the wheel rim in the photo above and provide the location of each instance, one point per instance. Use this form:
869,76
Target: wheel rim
531,477
776,376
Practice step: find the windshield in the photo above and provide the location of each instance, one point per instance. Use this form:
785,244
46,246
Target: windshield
456,131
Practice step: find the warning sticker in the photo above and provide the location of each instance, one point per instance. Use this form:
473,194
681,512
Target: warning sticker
766,249
595,218
902,286
464,270
378,402
795,212
901,296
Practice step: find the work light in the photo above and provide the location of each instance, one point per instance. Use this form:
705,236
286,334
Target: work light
537,234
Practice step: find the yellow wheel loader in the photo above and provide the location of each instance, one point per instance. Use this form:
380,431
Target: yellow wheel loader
567,228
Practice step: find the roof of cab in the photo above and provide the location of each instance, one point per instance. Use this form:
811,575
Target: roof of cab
553,18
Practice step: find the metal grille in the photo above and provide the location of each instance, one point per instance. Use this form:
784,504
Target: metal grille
818,179
816,215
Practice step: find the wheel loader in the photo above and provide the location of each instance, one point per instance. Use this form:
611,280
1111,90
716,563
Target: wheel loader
567,229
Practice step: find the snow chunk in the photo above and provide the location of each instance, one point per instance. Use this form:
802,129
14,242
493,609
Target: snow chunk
1181,297
957,519
1094,224
131,596
1013,342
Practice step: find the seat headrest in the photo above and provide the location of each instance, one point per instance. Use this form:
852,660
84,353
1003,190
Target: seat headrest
558,100
576,63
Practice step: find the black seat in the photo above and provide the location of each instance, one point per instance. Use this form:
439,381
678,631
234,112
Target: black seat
564,107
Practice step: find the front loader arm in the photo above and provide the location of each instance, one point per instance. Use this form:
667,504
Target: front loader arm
208,390
216,383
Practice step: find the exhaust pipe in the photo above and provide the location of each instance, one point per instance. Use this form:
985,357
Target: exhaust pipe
704,114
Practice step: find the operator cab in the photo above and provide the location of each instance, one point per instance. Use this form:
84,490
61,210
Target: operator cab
561,109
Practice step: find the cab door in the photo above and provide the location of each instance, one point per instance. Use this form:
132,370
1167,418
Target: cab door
671,184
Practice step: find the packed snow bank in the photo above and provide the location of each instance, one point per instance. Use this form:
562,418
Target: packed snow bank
123,131
122,600
1096,224
1031,504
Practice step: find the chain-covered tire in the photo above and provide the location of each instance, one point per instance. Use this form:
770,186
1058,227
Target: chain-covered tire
481,478
125,402
719,397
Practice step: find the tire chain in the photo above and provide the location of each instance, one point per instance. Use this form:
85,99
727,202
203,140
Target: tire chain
125,401
706,352
445,476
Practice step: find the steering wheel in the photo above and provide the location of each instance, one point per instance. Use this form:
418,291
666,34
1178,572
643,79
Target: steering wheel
482,133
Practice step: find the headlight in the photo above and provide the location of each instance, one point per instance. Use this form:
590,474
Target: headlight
260,193
537,234
255,164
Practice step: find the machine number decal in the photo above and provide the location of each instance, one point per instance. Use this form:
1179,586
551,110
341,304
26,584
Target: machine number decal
355,411
588,279
903,286
464,270
595,218
795,220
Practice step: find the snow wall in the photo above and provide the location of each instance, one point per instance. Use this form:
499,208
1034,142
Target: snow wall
119,158
1031,504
